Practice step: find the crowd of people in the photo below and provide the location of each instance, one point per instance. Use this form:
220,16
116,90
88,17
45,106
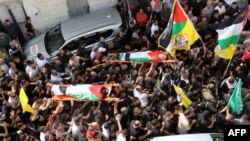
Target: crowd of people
144,103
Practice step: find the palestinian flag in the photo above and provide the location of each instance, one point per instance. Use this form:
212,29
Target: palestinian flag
229,32
142,56
129,11
79,92
180,33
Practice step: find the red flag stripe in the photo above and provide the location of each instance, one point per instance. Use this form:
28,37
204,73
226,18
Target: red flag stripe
157,4
179,13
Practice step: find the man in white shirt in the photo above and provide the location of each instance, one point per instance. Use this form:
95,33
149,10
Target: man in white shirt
43,132
143,97
41,60
4,67
13,100
56,77
221,8
154,28
33,71
74,61
76,126
12,70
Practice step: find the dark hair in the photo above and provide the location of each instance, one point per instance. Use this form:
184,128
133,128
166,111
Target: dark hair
39,55
27,18
1,30
71,55
7,20
104,92
28,62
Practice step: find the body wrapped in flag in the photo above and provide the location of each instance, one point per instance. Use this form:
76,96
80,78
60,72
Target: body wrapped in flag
141,56
81,92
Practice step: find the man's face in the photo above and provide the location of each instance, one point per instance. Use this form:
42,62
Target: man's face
170,117
204,20
102,39
17,59
220,4
165,6
8,23
234,6
41,57
33,65
141,11
41,118
18,119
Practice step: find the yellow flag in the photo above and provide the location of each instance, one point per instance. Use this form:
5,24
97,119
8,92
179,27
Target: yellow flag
184,99
227,53
24,102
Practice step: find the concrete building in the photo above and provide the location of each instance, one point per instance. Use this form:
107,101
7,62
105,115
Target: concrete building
47,13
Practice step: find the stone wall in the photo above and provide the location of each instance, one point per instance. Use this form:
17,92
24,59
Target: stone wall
46,13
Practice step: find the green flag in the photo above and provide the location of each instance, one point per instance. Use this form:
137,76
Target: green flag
235,102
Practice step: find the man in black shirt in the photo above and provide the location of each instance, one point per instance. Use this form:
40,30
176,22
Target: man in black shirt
29,29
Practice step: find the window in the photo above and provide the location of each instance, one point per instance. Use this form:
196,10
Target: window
73,45
53,39
94,38
89,39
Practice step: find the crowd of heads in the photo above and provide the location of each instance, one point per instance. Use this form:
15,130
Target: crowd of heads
145,104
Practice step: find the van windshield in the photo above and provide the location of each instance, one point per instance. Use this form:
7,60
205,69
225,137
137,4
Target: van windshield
53,39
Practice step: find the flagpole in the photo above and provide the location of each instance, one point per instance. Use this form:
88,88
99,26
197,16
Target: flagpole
151,15
225,72
201,41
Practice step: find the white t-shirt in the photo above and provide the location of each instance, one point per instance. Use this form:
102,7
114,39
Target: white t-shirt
221,9
105,132
56,78
120,137
14,101
75,129
12,72
33,72
183,124
77,61
27,69
43,135
154,28
5,68
55,89
41,63
143,97
92,54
